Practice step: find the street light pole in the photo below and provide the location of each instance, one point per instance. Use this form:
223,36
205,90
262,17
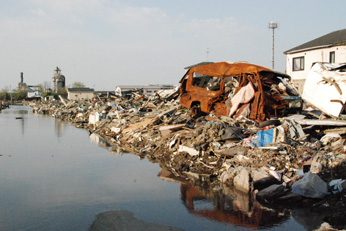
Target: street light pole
273,25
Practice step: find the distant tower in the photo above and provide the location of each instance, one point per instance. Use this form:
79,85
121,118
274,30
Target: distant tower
21,85
273,25
59,80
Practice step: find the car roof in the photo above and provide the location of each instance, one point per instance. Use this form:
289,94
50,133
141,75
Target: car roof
221,69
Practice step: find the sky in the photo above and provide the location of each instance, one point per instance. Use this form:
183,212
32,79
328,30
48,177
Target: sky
105,43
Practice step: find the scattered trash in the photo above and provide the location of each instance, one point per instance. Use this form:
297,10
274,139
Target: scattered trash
337,185
204,144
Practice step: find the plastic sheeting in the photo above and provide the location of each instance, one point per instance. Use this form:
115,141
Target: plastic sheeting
323,84
310,185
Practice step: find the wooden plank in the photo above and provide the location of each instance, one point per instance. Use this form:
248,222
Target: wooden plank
62,100
321,122
147,122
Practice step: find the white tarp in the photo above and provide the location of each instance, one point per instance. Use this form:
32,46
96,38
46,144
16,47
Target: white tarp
244,95
324,84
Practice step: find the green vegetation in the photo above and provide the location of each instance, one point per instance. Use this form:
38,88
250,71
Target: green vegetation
78,85
18,95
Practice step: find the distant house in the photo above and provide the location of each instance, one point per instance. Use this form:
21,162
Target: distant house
80,93
330,48
147,89
33,94
104,94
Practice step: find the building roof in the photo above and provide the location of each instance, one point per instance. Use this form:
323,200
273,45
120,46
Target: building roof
150,86
332,39
82,89
198,64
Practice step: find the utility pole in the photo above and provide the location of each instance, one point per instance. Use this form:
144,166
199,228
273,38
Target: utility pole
273,25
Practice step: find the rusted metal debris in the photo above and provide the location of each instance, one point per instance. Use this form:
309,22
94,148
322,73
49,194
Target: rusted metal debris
229,89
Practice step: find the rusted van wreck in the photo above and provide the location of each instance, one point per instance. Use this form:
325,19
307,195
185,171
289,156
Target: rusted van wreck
235,89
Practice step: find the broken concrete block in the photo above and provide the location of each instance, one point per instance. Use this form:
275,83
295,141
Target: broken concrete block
258,174
271,193
242,180
265,182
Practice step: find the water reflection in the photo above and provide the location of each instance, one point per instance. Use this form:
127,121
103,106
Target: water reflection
21,118
235,207
226,205
310,220
22,123
61,184
98,140
59,126
22,112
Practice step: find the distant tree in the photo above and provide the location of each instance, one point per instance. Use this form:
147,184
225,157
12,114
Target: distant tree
18,95
6,89
78,85
4,93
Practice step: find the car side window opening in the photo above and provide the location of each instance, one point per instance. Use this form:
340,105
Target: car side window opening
205,81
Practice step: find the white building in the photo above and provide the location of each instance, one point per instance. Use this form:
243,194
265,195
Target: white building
80,93
147,89
330,48
33,94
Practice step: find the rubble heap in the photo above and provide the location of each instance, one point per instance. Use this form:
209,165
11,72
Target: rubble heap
271,158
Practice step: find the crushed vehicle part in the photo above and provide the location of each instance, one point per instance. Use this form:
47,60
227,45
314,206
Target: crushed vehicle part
243,89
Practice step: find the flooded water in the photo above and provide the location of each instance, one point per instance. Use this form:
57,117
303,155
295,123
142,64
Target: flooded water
54,177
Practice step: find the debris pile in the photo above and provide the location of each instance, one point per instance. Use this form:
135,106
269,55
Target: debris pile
4,104
240,152
277,158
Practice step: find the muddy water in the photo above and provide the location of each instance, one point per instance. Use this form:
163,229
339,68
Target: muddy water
53,176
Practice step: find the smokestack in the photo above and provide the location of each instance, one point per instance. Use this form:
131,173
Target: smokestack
21,77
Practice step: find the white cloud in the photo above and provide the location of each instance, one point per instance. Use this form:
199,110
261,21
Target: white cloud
105,43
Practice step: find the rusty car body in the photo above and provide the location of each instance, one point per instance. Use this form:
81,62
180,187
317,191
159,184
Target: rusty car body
234,89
